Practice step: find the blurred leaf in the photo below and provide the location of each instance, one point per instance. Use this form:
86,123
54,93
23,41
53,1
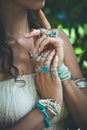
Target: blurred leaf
79,51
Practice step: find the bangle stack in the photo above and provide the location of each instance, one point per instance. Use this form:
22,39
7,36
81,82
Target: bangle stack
63,72
81,83
52,106
44,111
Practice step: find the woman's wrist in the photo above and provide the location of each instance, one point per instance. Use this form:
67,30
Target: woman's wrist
66,82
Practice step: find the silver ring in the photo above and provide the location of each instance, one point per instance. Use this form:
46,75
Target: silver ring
38,69
43,56
47,59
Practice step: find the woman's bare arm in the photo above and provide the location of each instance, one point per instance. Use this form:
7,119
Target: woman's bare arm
76,101
34,120
75,98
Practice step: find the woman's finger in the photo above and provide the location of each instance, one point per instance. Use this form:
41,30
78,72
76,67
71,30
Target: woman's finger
55,42
46,64
35,33
45,57
39,41
44,20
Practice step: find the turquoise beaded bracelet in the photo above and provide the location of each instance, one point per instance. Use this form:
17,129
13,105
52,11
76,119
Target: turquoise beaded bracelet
43,110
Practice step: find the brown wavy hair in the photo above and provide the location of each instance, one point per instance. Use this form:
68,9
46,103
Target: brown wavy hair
6,55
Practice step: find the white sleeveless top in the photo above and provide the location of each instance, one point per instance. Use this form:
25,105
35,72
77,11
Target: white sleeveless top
17,100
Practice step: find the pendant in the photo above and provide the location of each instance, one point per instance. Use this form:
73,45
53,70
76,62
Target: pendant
30,54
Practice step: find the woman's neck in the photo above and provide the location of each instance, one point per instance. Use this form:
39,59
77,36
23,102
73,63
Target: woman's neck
14,20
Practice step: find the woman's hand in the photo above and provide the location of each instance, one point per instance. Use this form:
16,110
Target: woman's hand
48,83
45,41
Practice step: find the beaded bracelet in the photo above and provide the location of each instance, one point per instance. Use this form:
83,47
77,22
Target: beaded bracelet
43,110
63,72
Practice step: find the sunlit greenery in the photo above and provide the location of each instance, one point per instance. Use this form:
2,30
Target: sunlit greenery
70,16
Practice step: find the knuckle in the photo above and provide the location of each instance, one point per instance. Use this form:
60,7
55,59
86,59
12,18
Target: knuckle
47,63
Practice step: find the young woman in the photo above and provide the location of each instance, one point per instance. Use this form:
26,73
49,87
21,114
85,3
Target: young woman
20,87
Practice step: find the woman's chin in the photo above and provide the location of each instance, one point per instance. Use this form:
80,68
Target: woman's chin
40,6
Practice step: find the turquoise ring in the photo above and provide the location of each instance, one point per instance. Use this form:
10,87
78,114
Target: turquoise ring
45,69
51,33
54,76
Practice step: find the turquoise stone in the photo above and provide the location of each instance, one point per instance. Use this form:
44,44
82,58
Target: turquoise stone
51,33
45,69
53,76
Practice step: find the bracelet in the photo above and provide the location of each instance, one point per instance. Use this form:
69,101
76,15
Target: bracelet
63,72
52,106
81,83
43,110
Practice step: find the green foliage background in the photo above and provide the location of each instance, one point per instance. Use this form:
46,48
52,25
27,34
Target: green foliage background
71,16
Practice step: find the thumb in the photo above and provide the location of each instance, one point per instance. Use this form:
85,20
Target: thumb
44,21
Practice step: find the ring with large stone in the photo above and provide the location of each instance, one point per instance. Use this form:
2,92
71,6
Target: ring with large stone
51,33
45,69
38,69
